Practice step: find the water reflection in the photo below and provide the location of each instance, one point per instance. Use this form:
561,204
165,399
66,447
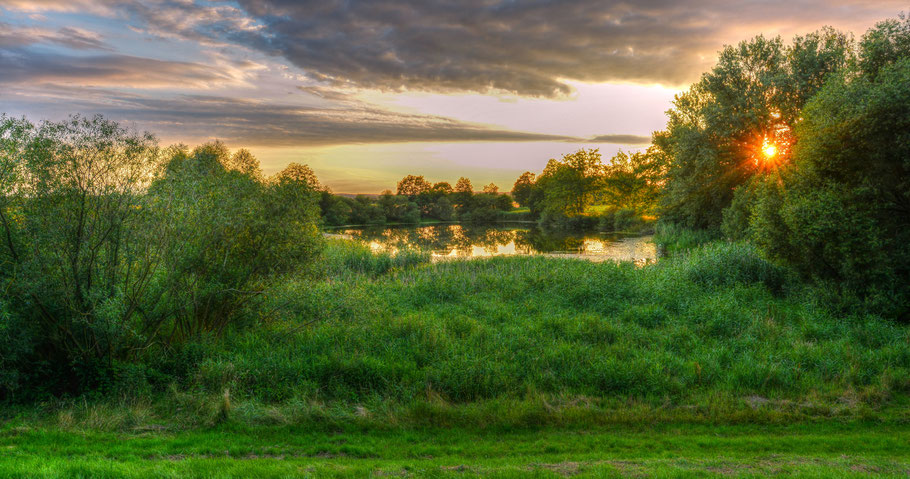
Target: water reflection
463,241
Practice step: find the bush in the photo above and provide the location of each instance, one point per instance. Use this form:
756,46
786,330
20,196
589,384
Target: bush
342,258
726,264
112,248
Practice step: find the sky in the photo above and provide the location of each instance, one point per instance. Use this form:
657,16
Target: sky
367,91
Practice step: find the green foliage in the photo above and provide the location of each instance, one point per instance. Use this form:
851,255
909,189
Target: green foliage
840,212
833,201
337,210
113,249
632,181
620,219
885,44
343,258
570,183
737,216
75,225
563,196
523,188
232,231
416,202
716,130
672,239
412,185
724,265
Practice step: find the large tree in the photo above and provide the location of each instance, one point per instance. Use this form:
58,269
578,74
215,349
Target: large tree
721,132
841,211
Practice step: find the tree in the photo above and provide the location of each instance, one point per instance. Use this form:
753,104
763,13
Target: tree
885,44
412,186
244,161
443,188
569,184
442,209
840,212
335,210
298,174
633,181
464,186
717,131
112,248
491,188
522,188
464,191
76,228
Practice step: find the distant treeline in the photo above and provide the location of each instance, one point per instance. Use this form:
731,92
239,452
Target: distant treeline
581,191
577,191
417,200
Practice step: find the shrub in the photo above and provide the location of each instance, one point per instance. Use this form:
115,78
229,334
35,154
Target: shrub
727,264
111,248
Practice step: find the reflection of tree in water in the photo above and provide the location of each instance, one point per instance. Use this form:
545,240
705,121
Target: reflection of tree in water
540,241
437,238
471,240
488,238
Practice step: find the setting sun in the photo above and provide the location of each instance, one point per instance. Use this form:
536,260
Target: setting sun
769,150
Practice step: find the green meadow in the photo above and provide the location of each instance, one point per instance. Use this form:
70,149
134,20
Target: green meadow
711,362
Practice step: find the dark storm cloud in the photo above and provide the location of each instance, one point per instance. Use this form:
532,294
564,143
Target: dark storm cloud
620,139
524,47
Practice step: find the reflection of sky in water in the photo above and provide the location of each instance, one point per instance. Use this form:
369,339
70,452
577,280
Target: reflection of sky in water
458,241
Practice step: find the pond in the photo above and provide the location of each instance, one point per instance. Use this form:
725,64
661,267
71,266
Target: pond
454,241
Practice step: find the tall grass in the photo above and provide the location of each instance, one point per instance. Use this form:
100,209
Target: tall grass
718,322
344,258
715,334
675,239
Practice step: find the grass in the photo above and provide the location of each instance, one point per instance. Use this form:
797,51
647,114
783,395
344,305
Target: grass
673,239
714,327
711,362
230,450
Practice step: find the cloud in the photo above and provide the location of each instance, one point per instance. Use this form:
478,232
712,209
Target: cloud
257,123
23,65
205,24
530,48
620,139
12,36
83,6
523,47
